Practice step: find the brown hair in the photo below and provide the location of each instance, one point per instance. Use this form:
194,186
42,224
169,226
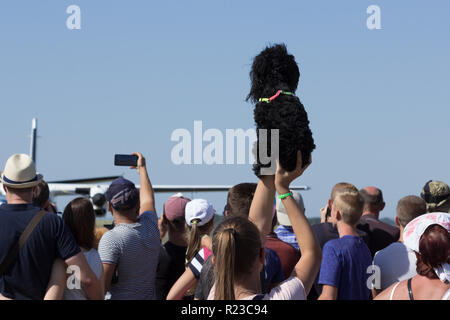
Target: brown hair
350,205
240,198
409,208
236,246
79,216
341,187
41,194
177,225
195,238
434,247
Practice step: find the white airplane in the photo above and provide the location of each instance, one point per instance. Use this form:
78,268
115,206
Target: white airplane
95,188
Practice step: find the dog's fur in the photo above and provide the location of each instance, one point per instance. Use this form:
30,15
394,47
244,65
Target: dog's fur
272,70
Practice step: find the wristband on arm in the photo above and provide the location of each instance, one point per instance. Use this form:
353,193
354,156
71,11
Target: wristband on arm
282,196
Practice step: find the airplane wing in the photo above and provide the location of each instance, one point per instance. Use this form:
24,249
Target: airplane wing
60,189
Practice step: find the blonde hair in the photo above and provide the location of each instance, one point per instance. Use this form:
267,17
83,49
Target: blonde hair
350,205
341,187
236,246
195,238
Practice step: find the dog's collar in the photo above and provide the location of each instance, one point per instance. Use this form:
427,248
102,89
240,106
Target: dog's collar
275,96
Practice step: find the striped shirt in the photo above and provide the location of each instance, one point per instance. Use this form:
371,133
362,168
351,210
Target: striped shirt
286,234
197,262
134,249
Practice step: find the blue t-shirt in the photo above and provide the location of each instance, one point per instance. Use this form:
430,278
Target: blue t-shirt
28,276
344,266
272,272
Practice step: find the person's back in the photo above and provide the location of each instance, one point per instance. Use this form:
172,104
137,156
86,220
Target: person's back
429,237
381,234
134,248
28,273
347,260
130,251
28,276
343,273
287,254
396,261
94,262
79,217
172,256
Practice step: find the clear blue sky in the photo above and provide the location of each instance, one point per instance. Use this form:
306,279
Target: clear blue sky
378,101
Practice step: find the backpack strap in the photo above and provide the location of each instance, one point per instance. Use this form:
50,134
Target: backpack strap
14,251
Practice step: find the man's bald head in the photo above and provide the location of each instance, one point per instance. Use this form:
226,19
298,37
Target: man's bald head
373,199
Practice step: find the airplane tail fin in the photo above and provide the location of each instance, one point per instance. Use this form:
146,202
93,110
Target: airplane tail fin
33,138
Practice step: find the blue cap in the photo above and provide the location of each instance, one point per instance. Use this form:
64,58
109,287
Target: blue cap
122,194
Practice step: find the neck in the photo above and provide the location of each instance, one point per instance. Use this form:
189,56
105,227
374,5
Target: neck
371,212
249,285
401,234
178,239
118,218
13,199
345,229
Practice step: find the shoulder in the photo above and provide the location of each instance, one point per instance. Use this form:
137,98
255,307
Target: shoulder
110,238
148,215
290,289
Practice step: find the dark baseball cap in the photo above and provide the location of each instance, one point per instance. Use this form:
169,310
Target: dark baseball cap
122,194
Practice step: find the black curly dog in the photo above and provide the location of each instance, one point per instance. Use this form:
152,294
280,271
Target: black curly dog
275,69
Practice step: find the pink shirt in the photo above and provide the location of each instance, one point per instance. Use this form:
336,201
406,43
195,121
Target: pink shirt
290,289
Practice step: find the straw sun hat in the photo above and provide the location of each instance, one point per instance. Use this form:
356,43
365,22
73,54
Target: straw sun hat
20,172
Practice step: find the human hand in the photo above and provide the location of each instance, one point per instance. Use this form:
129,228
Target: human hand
323,214
141,164
284,178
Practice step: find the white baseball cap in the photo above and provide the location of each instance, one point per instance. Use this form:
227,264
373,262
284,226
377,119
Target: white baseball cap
199,209
282,215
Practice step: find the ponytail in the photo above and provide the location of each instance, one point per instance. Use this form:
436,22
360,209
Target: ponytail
236,246
194,242
224,266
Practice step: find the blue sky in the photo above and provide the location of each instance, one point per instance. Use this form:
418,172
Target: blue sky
377,100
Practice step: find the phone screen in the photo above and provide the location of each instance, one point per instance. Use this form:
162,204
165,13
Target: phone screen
125,160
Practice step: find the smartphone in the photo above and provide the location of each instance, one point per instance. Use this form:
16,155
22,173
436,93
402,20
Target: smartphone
125,160
328,214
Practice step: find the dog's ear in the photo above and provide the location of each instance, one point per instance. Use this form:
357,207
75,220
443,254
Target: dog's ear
273,69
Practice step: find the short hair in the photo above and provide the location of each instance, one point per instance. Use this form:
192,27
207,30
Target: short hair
434,248
409,208
350,205
79,216
240,199
41,193
341,187
372,200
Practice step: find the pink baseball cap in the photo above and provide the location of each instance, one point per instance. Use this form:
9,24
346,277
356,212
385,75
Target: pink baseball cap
174,206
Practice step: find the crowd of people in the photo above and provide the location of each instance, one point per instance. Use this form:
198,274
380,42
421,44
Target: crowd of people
264,248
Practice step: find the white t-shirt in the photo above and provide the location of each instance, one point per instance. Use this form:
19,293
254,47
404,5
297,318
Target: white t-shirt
290,289
93,259
396,263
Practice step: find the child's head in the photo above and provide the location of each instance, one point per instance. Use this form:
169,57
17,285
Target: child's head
199,216
239,199
347,207
79,216
238,252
